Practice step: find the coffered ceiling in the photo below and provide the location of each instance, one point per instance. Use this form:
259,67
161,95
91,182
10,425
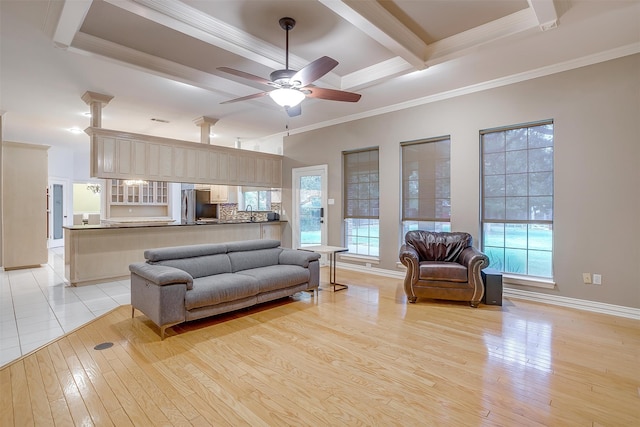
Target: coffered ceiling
159,59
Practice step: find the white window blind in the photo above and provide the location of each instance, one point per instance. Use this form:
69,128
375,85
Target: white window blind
426,194
361,201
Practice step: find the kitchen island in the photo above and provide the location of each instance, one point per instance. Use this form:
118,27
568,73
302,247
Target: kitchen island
99,253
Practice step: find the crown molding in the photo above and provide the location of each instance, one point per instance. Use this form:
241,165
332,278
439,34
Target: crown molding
630,49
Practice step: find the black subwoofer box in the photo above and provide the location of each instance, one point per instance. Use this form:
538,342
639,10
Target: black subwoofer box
492,279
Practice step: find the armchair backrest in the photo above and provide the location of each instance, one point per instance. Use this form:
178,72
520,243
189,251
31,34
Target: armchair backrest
432,246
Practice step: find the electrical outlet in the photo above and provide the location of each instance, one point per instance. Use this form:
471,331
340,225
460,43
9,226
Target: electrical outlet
597,279
368,265
586,278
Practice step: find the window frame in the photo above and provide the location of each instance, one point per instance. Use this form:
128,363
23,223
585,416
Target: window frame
370,222
421,222
513,226
258,207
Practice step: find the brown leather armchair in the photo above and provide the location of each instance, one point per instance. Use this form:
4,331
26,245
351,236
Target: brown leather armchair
442,266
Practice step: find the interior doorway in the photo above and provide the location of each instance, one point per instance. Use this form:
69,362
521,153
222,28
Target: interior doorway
309,220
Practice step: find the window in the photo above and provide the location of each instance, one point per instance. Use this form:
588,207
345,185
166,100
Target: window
258,199
361,205
426,194
517,199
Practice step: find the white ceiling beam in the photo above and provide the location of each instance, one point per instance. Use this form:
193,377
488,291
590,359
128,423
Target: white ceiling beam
545,12
192,22
459,44
89,45
71,19
376,73
375,21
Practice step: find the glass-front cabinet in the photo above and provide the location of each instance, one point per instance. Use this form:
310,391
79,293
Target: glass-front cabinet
137,192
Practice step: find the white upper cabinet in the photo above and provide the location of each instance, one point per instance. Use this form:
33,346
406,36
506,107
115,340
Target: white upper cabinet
122,155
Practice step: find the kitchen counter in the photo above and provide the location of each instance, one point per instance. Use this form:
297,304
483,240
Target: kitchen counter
101,253
144,224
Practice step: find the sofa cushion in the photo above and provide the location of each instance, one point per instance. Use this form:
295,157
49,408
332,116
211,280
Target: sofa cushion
179,252
201,266
251,245
443,271
253,258
432,246
221,288
277,276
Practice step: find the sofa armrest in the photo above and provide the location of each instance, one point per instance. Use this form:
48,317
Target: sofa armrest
475,261
161,274
409,258
297,257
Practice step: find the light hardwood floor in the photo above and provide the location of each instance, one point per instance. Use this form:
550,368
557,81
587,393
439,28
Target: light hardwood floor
357,357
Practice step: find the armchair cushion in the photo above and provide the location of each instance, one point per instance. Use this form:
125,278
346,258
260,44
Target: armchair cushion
443,271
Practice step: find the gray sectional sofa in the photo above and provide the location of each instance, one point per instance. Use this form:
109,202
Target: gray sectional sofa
182,283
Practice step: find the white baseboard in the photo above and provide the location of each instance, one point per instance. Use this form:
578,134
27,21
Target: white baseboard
580,304
372,270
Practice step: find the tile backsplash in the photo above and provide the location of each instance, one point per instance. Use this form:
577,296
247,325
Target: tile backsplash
229,211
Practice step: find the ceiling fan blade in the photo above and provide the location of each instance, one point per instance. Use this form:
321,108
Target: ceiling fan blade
314,71
331,94
245,98
246,75
294,111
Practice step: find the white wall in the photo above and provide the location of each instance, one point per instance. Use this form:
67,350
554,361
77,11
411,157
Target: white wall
596,111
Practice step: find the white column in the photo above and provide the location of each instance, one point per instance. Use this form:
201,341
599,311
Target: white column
96,101
205,124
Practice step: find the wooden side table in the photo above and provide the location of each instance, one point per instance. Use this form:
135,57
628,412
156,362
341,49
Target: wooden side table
331,252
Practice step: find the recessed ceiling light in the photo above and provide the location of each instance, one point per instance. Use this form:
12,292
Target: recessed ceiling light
76,130
86,114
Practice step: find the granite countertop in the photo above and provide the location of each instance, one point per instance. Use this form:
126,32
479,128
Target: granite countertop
142,224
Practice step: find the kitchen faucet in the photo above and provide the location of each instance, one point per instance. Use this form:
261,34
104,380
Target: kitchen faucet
250,208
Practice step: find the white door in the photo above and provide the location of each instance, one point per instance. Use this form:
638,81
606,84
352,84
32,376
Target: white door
309,219
57,212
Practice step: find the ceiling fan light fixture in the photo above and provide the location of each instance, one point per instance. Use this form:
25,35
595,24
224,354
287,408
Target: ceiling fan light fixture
286,97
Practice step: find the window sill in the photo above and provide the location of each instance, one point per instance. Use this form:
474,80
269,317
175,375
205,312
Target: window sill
361,258
535,282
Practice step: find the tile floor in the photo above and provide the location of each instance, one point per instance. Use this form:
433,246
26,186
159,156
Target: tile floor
37,306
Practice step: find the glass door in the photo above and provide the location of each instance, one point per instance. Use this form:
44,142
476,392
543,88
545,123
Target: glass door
57,212
309,223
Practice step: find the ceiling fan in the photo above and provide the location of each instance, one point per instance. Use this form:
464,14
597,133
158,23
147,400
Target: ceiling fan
290,86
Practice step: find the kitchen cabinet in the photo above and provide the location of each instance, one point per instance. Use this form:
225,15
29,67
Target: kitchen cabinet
124,155
217,193
271,230
137,192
